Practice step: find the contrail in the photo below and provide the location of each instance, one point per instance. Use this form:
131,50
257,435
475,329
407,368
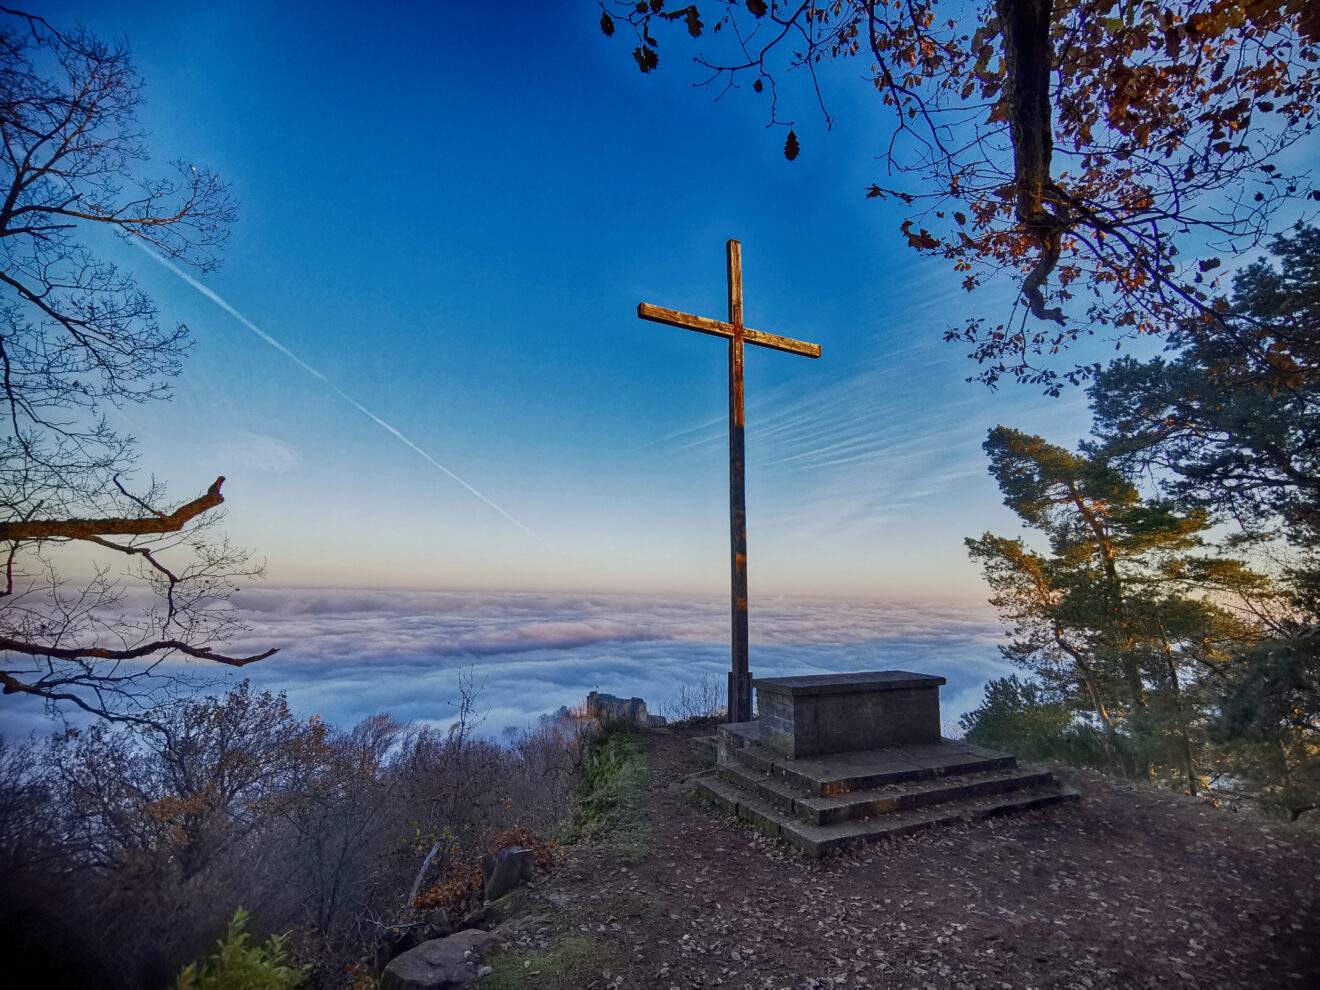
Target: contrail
165,262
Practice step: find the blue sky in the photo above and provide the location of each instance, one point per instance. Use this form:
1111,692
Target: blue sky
451,215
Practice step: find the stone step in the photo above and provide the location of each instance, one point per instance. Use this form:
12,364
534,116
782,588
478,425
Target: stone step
894,798
817,840
843,773
922,794
773,790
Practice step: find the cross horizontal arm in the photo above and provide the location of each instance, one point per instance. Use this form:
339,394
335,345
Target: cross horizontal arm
718,328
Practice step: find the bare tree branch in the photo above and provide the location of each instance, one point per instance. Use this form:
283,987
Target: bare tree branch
90,529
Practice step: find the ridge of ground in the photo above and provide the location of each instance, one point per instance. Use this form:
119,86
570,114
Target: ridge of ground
1133,887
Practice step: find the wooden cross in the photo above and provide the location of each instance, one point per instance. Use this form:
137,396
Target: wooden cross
740,678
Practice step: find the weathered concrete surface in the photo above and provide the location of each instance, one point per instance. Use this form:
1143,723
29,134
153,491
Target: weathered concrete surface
838,759
818,840
851,682
455,961
841,773
838,713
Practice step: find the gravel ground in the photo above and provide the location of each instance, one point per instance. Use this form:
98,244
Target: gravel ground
1133,887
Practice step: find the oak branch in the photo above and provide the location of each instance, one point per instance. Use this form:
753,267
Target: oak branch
89,529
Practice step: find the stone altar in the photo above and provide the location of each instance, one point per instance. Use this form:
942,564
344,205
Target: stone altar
839,759
838,713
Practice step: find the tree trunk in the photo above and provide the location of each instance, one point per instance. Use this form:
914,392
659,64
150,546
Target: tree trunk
1176,691
1105,547
1028,61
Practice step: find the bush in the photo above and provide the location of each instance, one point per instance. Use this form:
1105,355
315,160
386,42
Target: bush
239,965
703,703
1022,718
140,841
609,790
1267,727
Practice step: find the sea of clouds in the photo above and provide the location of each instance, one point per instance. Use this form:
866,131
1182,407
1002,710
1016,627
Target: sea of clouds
348,654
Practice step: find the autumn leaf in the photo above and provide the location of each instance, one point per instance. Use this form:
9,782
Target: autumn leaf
606,24
790,145
1179,84
923,240
645,58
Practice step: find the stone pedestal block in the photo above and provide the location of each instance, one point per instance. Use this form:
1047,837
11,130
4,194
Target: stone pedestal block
838,713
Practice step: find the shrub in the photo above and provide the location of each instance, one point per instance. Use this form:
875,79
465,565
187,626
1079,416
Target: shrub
140,842
700,704
609,768
238,964
609,788
1022,718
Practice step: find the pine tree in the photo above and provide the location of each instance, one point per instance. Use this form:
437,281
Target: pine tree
1121,614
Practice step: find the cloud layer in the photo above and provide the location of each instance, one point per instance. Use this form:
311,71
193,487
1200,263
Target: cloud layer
348,654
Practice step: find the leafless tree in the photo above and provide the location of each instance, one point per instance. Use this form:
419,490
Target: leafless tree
78,335
697,702
143,839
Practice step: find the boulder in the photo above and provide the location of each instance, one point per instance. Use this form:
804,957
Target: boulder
518,902
607,707
453,961
399,939
507,869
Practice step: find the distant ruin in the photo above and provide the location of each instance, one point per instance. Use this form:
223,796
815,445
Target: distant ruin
607,708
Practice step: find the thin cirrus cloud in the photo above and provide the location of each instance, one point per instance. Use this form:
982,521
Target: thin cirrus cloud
857,452
258,452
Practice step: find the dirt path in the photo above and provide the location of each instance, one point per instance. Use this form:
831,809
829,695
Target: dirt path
1130,888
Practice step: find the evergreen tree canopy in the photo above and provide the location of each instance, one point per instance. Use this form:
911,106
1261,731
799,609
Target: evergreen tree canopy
1231,421
1124,616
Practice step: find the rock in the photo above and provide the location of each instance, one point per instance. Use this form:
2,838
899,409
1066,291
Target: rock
507,869
438,925
453,961
476,918
606,707
394,943
398,940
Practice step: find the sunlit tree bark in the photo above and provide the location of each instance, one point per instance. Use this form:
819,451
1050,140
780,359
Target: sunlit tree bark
77,334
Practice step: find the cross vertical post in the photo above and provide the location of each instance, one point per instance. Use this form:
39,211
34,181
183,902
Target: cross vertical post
737,333
740,675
